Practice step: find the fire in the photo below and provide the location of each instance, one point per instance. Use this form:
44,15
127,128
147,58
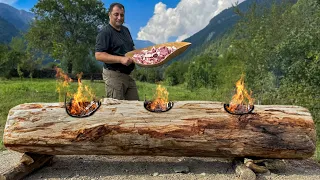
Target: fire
81,102
160,101
242,100
63,82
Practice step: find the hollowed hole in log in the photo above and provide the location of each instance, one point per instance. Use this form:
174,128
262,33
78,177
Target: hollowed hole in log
81,109
240,109
157,108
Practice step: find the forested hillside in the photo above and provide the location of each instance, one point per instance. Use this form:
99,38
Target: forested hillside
7,31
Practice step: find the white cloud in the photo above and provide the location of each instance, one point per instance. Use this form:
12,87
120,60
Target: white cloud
10,2
189,17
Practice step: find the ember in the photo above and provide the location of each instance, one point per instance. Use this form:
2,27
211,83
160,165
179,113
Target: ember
80,104
160,102
81,109
241,102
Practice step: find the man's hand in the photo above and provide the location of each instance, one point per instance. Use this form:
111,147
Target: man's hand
126,61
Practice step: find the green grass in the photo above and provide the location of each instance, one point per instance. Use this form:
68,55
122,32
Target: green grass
180,93
15,92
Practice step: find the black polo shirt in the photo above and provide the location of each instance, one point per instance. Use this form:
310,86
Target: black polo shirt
115,42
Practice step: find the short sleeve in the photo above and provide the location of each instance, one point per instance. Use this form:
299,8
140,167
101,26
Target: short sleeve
102,41
131,37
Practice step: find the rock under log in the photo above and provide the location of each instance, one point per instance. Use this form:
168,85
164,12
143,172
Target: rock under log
28,164
190,128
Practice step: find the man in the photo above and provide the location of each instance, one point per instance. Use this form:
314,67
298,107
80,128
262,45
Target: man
112,43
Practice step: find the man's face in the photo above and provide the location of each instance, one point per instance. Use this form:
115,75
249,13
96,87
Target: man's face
116,16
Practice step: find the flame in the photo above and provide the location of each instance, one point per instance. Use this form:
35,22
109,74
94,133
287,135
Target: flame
81,101
242,99
160,99
63,82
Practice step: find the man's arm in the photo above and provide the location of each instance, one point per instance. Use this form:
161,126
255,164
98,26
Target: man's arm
111,59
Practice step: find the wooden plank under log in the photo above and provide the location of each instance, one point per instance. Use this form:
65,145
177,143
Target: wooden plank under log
190,128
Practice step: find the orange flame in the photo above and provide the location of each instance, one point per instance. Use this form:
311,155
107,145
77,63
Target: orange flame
62,83
80,103
242,98
160,99
81,99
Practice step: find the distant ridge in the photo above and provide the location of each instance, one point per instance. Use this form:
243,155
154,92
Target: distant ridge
142,44
7,31
19,18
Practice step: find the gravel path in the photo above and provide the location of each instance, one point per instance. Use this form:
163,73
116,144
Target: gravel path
145,167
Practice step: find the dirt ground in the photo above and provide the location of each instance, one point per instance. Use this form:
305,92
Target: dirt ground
145,167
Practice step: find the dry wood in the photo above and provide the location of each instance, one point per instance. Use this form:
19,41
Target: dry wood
242,171
190,128
256,168
26,159
28,163
270,164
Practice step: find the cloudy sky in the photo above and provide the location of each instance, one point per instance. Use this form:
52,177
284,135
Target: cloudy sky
182,21
160,21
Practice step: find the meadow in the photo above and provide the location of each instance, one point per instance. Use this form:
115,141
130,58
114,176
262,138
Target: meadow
18,91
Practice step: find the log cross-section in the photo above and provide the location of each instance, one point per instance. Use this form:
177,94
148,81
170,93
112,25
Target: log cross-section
190,128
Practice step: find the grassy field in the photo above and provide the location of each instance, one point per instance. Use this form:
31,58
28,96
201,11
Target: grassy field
15,92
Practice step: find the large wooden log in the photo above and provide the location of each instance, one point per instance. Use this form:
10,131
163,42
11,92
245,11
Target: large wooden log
190,128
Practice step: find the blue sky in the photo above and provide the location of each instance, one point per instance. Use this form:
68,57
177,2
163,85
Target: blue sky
159,21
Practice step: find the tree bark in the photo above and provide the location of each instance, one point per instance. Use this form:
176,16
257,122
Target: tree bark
190,128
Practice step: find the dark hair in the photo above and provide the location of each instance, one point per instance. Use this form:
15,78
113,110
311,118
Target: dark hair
113,5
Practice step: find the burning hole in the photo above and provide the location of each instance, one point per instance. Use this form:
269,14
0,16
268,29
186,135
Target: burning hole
160,102
81,109
239,109
82,103
241,102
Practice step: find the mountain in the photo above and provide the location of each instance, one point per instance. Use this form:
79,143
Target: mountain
142,44
7,31
218,26
12,21
19,18
139,44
